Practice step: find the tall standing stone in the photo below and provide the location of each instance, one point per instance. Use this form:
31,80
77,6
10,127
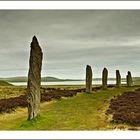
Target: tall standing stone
129,79
88,79
34,79
118,78
104,78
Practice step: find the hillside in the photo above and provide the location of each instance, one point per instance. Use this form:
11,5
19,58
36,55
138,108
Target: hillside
4,83
15,79
49,78
43,79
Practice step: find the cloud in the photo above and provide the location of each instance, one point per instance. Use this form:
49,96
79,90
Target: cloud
70,40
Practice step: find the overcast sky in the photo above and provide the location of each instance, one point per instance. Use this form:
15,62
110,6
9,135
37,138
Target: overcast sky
70,40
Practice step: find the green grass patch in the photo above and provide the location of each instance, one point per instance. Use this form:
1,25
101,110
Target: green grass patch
4,83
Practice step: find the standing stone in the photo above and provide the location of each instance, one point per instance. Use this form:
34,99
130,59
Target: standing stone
104,78
118,78
129,79
88,79
34,79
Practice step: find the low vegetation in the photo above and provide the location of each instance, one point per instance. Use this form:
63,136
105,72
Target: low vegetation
10,104
81,112
47,94
125,108
11,91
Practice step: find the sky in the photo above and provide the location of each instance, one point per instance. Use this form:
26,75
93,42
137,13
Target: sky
71,39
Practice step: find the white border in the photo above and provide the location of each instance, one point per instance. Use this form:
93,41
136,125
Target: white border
69,5
69,135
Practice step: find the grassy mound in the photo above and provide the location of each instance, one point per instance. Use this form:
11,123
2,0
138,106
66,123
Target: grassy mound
4,83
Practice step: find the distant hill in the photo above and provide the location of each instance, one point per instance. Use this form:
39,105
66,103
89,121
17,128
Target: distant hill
54,79
43,79
15,79
4,83
49,78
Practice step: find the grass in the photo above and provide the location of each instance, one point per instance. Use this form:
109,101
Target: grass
137,82
82,112
14,91
11,91
4,83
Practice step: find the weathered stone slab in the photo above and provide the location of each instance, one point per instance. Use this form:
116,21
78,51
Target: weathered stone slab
104,78
34,79
118,78
129,79
88,79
